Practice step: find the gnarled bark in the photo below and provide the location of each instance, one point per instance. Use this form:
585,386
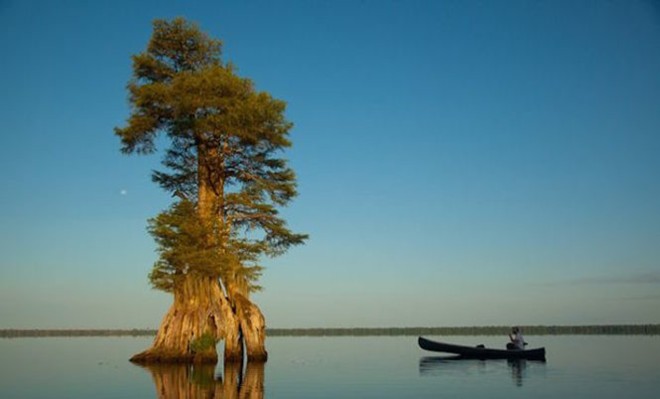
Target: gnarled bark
253,327
234,344
198,318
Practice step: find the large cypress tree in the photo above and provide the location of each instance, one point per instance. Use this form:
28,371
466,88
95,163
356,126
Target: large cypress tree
224,167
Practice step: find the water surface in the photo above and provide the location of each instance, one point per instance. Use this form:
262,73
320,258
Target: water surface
335,367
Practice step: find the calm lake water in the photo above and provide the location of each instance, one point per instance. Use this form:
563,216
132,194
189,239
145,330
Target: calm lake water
336,367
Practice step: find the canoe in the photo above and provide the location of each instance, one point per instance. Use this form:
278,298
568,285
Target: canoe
473,352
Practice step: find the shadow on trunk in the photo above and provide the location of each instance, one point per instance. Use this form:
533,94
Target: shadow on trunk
185,381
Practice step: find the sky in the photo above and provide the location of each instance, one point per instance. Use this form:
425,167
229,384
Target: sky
459,163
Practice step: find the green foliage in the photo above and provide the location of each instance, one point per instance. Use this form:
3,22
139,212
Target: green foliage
186,244
184,247
223,160
203,343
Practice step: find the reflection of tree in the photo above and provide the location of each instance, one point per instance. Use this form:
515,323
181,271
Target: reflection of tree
184,381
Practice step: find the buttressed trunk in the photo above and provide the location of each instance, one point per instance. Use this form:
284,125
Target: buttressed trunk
210,187
199,316
253,327
202,313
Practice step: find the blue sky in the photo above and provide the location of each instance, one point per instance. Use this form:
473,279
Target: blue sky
459,162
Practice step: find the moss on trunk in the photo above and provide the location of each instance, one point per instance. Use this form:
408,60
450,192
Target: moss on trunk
199,317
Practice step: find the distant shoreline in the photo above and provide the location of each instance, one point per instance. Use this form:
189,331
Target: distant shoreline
618,329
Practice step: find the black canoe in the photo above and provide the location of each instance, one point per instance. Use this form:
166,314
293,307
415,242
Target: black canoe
472,352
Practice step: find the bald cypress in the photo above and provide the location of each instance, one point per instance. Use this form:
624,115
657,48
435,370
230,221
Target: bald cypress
225,168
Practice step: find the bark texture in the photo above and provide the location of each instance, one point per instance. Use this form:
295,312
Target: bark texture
198,318
253,328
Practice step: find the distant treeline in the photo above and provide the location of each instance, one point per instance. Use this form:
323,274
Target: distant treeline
16,333
626,329
634,329
631,329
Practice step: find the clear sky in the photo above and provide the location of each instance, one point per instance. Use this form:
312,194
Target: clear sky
459,162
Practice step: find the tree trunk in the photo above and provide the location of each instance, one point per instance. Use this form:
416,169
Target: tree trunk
198,318
253,327
248,324
234,342
209,205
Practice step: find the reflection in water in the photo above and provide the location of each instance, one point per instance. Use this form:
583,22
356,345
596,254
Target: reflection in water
435,365
517,370
182,381
457,365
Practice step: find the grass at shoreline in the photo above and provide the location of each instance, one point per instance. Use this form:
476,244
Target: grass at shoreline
619,329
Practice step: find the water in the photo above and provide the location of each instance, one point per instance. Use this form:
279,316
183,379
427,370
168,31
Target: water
336,367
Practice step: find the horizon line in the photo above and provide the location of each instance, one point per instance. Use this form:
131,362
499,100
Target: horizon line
592,329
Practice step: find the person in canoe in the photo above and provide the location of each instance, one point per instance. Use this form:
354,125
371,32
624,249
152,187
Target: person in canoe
516,338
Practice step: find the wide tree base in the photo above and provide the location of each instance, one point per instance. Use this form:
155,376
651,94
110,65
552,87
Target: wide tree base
152,356
199,317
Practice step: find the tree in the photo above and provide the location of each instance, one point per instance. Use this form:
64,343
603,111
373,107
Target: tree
223,165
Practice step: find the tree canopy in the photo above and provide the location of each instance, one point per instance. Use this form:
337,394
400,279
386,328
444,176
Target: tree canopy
223,162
